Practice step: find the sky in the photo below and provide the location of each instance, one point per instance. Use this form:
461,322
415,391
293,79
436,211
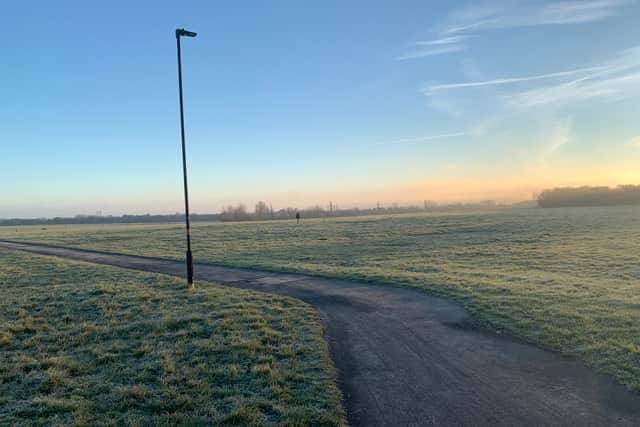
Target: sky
299,103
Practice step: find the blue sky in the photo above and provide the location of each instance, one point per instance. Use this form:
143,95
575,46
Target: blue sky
299,103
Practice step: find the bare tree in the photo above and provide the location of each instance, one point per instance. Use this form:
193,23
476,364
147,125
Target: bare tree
261,210
235,213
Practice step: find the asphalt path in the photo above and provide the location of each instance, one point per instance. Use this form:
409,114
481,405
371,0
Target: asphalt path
405,358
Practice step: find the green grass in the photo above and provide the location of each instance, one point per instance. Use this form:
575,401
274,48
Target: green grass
92,345
567,279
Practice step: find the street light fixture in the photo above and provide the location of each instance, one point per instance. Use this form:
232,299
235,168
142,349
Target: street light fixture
184,33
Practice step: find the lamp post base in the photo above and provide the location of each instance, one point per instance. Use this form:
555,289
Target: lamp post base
190,268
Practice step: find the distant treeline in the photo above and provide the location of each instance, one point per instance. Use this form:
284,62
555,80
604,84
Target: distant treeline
264,211
99,219
590,196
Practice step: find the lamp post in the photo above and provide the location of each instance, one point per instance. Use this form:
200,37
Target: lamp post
184,33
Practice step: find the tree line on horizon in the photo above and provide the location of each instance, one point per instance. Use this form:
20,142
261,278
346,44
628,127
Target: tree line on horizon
263,211
590,196
108,219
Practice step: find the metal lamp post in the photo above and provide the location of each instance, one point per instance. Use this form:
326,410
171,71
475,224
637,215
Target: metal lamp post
180,33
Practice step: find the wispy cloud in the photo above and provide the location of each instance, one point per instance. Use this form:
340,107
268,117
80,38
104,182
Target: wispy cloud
618,75
509,80
502,14
622,86
442,41
467,21
425,138
435,47
430,52
541,145
635,142
559,136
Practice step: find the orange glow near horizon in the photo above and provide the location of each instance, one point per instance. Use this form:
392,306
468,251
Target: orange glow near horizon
448,189
511,189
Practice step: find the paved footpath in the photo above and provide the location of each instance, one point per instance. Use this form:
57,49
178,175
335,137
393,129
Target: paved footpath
405,358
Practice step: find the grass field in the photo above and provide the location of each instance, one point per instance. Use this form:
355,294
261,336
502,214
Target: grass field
568,279
93,345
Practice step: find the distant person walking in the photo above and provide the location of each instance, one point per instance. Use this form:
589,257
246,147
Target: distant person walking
297,217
